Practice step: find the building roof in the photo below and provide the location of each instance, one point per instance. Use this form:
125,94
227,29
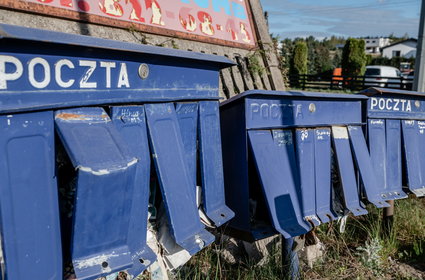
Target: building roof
400,42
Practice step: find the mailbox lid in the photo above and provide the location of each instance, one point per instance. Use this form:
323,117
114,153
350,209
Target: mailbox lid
12,32
387,103
273,109
44,69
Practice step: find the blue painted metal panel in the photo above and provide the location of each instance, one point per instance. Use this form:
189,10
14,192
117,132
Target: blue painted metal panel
414,137
44,69
306,165
130,122
275,160
212,164
309,116
105,185
63,78
395,104
385,109
175,181
372,186
30,228
187,115
378,149
384,137
49,70
396,107
277,113
236,174
322,161
293,95
394,181
346,171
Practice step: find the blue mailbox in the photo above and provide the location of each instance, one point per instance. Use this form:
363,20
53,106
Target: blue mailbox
278,149
90,117
396,133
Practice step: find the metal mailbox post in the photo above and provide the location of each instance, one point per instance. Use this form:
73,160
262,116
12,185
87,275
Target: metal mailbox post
395,130
90,117
277,149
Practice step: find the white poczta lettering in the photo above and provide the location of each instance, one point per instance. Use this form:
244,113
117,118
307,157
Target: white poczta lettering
108,66
391,104
4,77
381,104
58,73
84,82
373,103
397,101
409,107
123,77
388,105
31,73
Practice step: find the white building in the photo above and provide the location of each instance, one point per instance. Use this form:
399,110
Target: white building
374,45
406,48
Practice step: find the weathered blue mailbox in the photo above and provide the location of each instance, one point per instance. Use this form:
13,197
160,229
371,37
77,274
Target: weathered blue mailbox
277,149
115,108
396,136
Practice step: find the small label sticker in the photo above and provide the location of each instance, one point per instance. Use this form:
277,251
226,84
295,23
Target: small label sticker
340,132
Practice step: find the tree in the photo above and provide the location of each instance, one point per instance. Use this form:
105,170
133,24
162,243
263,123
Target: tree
299,59
353,57
322,61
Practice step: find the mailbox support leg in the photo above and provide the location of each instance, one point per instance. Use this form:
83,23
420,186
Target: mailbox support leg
388,218
290,262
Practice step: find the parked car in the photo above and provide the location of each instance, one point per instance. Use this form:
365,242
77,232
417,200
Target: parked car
382,76
408,80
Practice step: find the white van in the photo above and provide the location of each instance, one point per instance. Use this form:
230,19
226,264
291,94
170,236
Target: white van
382,76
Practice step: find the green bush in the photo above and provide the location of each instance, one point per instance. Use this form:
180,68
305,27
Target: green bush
354,57
299,59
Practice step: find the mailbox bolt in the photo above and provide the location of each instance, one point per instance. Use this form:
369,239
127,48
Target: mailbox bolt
199,242
417,104
143,71
312,108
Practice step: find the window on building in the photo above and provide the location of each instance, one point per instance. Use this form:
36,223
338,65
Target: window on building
396,53
373,41
367,41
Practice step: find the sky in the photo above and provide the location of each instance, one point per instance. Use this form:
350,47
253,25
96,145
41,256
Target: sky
346,18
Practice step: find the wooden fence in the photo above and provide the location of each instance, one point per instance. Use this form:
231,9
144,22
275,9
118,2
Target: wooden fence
354,83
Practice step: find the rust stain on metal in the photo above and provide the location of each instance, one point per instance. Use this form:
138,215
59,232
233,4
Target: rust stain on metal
73,117
68,116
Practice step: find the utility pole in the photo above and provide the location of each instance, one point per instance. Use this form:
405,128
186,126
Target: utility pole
419,80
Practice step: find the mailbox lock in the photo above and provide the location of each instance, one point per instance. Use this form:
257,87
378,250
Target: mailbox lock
417,104
312,108
143,71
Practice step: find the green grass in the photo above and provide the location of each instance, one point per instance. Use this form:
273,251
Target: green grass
363,251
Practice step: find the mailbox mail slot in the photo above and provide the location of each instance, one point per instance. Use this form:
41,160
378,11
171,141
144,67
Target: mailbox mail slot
395,126
278,166
99,120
